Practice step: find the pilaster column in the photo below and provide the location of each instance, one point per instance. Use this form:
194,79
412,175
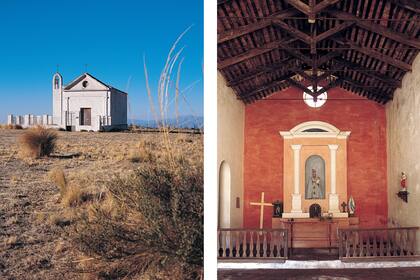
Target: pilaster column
296,198
333,197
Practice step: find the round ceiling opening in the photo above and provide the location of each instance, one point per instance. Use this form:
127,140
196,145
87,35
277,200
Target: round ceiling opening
315,102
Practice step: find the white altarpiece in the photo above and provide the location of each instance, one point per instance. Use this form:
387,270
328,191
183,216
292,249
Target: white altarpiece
328,145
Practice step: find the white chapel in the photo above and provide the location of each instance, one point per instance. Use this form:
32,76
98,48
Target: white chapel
88,104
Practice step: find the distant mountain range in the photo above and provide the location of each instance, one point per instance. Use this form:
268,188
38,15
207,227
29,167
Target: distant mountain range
182,122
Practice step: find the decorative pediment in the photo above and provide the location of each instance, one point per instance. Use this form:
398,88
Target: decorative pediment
86,82
315,129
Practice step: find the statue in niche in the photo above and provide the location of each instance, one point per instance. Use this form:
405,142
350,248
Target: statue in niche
315,178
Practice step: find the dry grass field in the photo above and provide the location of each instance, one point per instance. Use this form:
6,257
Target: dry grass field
38,220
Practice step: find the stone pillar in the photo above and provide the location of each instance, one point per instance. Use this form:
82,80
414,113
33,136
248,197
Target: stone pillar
45,119
296,211
26,122
296,198
31,120
333,197
39,120
10,119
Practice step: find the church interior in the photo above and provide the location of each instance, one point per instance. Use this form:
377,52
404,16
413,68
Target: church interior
318,128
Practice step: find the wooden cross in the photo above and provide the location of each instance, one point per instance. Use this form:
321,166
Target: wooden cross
261,204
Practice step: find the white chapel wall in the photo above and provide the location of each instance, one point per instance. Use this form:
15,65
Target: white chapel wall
118,108
96,100
403,129
230,144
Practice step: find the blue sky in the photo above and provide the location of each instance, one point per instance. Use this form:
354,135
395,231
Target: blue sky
110,36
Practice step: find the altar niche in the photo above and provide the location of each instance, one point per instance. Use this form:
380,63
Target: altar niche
315,178
315,169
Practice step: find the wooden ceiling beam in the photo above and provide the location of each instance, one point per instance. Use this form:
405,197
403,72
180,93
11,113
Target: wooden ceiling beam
341,64
275,83
299,5
330,85
293,31
323,5
300,86
378,76
362,87
295,54
412,5
260,71
331,32
247,55
249,28
376,28
325,58
375,54
304,75
311,10
220,2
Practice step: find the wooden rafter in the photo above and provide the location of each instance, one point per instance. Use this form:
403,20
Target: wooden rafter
300,86
331,32
376,28
293,31
377,76
274,83
412,5
295,53
360,86
260,71
375,54
299,5
311,10
249,28
252,53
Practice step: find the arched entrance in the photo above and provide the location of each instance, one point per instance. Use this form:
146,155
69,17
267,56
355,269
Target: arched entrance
224,195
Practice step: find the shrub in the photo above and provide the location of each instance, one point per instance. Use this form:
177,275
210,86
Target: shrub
17,126
38,142
156,225
11,126
72,197
141,153
57,176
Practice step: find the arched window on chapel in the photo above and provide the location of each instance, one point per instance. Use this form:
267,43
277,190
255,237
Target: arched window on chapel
56,82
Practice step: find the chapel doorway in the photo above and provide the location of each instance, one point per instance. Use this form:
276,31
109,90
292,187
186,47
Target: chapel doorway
85,116
224,195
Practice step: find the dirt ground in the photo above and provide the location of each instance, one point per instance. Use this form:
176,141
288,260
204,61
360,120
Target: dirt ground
35,228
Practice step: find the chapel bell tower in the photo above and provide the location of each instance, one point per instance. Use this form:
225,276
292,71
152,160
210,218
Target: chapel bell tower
57,90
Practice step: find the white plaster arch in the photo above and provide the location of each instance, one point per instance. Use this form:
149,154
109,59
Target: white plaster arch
224,195
320,129
315,125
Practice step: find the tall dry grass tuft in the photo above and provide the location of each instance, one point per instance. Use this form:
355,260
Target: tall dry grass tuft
57,176
38,142
73,196
164,96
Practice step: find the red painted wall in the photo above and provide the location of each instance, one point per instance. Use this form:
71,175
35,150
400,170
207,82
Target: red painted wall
366,154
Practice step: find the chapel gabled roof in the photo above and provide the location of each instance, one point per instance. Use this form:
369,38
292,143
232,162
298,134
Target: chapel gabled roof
83,76
364,46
